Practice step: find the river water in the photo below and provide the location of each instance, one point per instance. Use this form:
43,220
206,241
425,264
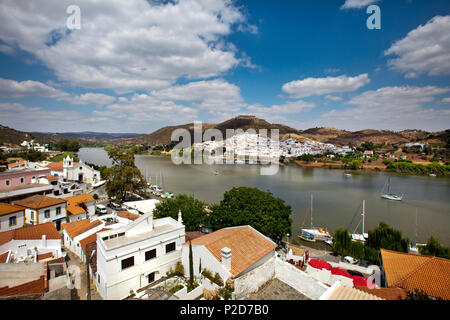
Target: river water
336,198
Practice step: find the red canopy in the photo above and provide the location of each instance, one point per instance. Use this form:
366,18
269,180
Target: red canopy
340,272
319,264
362,282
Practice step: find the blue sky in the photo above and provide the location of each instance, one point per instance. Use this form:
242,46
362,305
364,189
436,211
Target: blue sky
141,65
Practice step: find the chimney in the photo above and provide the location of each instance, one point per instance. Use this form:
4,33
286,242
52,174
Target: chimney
180,218
226,258
44,241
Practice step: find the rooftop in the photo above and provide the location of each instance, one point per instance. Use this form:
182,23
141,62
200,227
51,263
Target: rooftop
6,208
39,201
76,228
247,246
128,215
143,206
75,204
30,233
58,166
412,271
90,239
342,292
386,293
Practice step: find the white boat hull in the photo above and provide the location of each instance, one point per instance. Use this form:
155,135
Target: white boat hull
392,197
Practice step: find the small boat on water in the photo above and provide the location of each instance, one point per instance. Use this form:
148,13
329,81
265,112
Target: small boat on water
432,174
347,174
363,236
389,195
314,233
307,237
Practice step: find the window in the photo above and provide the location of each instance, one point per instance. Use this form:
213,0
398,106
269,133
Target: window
21,180
128,262
47,213
150,254
151,277
58,211
12,221
170,247
98,278
7,182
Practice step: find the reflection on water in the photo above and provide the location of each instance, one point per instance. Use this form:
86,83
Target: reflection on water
336,197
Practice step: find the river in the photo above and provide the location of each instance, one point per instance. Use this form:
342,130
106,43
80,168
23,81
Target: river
336,197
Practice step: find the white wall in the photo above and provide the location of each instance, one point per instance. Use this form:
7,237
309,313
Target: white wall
116,283
253,280
30,214
74,244
20,247
4,221
208,261
77,217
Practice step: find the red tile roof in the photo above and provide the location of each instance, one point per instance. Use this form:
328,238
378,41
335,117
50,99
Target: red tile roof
31,233
75,204
386,293
35,286
76,228
90,239
247,246
128,215
412,271
58,166
44,256
6,209
3,257
39,201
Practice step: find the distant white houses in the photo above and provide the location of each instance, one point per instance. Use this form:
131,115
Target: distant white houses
367,154
31,145
231,252
135,255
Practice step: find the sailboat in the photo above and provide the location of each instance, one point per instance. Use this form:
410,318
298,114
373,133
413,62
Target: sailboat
314,233
363,236
389,195
412,247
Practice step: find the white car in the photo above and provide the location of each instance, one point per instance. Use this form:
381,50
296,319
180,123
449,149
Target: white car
350,260
101,209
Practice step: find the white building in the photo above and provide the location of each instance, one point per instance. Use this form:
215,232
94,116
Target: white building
131,257
80,207
75,231
28,242
231,252
42,209
74,171
141,206
11,217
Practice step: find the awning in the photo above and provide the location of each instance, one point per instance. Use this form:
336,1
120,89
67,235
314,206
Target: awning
319,264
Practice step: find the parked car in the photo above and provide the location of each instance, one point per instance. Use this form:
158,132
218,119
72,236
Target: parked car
115,206
351,260
100,209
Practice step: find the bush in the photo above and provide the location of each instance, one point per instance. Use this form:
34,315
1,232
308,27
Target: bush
176,288
217,279
179,270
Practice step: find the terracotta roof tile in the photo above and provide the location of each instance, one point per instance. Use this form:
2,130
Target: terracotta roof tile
90,239
128,215
412,271
58,166
51,178
343,292
76,228
3,257
386,293
39,201
247,246
31,233
191,235
6,208
35,286
75,204
44,256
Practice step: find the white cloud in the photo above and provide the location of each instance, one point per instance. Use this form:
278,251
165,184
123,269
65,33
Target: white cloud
285,108
391,108
424,50
333,98
445,100
125,45
357,4
30,88
319,86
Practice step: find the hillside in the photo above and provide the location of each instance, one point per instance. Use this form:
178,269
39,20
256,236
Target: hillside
163,135
326,135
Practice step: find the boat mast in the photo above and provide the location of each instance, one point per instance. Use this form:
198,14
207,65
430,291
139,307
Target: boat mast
311,210
389,184
363,213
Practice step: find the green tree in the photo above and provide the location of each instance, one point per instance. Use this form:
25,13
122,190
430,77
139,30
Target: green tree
123,176
66,144
434,248
191,265
306,157
251,206
387,237
341,241
193,210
